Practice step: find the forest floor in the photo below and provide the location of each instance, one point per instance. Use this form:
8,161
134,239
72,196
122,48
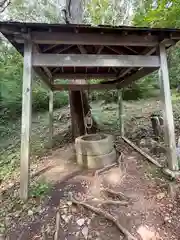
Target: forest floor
153,213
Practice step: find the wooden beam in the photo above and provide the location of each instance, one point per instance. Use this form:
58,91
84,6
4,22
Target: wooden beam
105,85
132,50
146,52
80,87
49,48
114,50
98,52
85,60
82,49
43,76
84,76
149,158
120,112
51,118
26,120
136,76
91,39
36,49
168,112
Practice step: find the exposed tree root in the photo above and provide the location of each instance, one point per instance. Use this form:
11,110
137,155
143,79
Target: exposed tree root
109,202
99,171
106,215
102,170
116,194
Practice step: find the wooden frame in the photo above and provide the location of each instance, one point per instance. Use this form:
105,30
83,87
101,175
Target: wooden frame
84,76
51,100
120,113
85,60
41,61
106,85
168,112
26,120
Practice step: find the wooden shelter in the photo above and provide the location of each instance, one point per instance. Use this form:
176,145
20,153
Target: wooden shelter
117,55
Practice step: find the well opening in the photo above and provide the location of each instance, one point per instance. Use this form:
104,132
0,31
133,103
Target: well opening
94,137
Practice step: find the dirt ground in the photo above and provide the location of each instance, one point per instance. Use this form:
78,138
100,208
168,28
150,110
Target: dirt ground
152,214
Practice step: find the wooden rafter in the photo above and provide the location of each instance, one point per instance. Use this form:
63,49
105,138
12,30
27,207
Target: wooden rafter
98,52
146,52
36,49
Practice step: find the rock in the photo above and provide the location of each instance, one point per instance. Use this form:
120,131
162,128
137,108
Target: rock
80,222
170,205
147,234
160,195
85,231
167,219
69,203
30,213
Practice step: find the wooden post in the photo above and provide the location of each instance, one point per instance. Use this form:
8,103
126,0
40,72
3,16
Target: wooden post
120,111
168,112
51,97
26,120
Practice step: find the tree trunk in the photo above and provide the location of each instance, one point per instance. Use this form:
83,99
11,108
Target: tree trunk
78,99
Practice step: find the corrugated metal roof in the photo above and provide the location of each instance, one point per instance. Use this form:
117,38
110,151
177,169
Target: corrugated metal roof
55,27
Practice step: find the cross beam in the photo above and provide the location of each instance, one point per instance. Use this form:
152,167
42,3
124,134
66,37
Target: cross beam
102,86
84,76
85,60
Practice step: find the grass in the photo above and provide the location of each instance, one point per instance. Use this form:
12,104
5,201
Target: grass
10,141
175,96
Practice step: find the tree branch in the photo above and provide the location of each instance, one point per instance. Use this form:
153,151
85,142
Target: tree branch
4,4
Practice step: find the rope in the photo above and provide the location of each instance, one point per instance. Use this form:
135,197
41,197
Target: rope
88,121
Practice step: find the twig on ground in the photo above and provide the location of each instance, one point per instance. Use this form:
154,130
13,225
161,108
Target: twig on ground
44,234
56,235
106,215
121,203
99,171
106,168
117,194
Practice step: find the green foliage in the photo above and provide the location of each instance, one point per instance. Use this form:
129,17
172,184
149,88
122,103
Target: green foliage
107,12
39,189
166,14
135,91
11,87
